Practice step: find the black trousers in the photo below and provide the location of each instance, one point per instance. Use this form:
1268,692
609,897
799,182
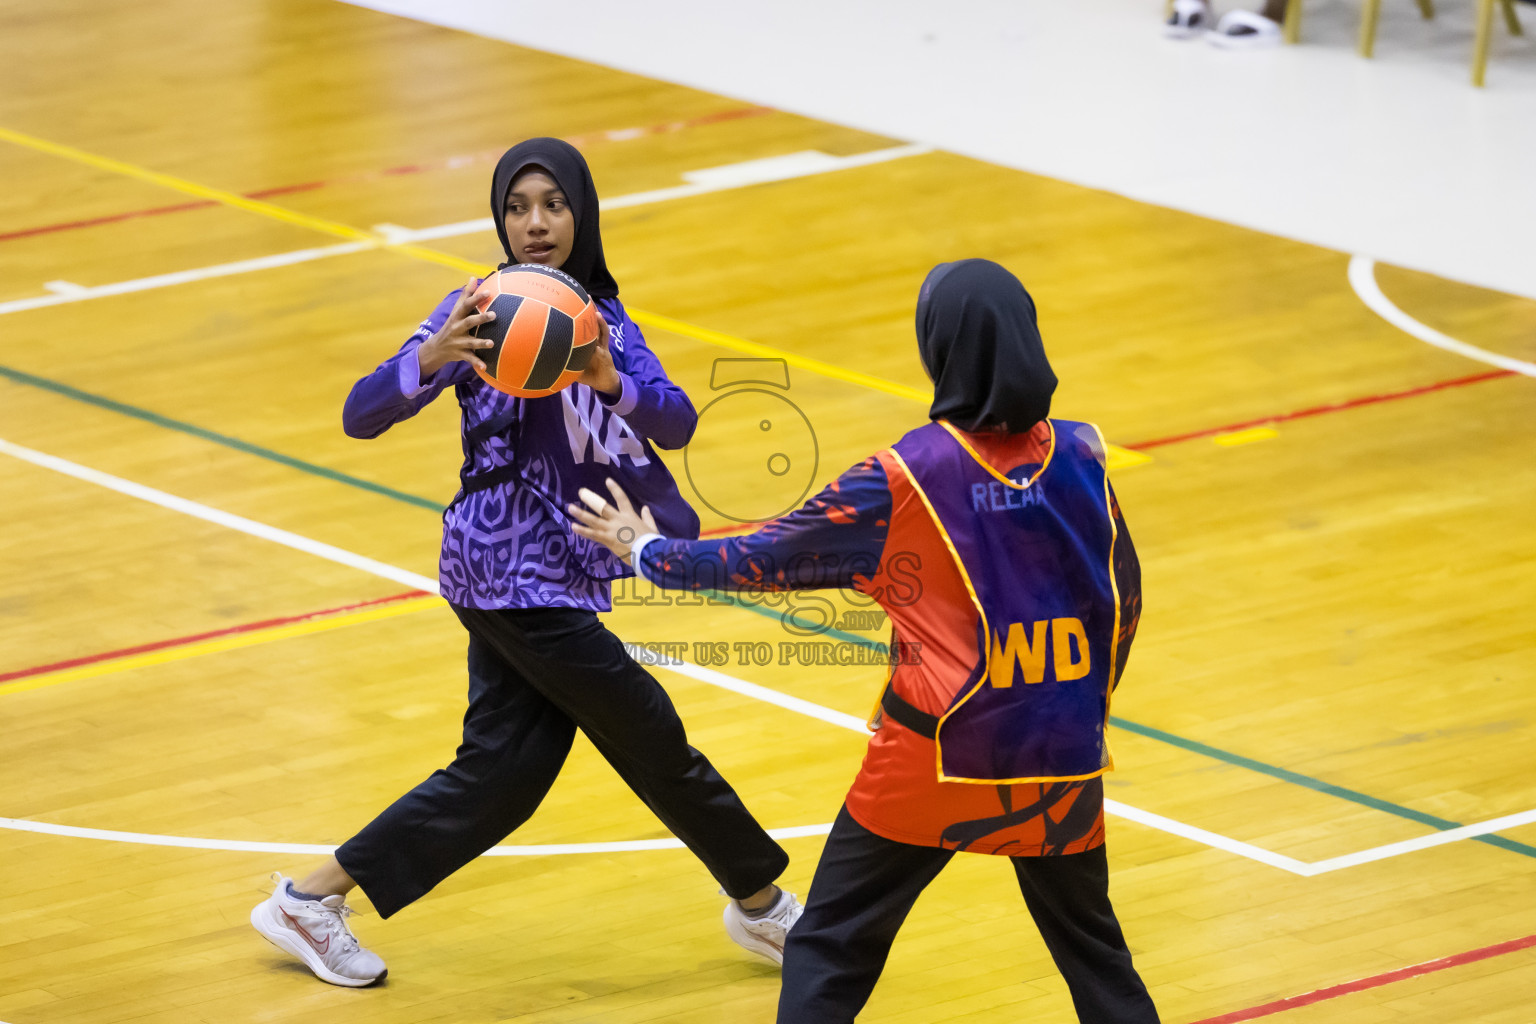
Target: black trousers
535,676
865,885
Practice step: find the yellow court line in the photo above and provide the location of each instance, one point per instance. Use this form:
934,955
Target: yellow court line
1124,457
234,199
430,255
191,188
221,644
1249,436
752,348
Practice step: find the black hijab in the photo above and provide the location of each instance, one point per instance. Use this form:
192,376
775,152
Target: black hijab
977,336
563,162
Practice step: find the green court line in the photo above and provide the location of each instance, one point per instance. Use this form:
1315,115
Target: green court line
158,420
1286,775
1273,771
1194,746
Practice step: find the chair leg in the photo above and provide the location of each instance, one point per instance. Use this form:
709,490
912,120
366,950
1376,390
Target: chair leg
1427,9
1480,47
1512,19
1293,21
1370,12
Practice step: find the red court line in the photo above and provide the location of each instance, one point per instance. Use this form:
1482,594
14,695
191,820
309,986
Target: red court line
249,627
1320,410
451,163
71,225
1375,981
1316,410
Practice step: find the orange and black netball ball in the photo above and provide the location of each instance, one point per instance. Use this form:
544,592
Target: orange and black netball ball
545,328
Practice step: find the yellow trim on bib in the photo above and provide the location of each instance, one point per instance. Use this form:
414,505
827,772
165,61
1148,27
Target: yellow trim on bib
1114,589
986,654
1049,454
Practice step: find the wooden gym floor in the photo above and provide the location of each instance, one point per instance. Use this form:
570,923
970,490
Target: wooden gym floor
211,618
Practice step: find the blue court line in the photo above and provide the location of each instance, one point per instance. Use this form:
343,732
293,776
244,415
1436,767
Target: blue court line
1194,746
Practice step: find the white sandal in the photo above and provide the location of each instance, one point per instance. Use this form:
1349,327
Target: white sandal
1245,30
1190,18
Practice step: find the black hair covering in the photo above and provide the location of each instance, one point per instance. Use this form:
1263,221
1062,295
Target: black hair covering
563,162
977,336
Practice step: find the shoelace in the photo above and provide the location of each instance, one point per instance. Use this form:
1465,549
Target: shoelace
337,922
778,922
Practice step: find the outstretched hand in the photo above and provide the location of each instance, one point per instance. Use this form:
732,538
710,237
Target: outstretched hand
613,524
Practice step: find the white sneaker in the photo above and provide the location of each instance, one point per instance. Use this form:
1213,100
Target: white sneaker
1245,30
764,935
316,932
1188,19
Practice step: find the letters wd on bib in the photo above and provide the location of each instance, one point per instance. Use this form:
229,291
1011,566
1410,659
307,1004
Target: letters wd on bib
1038,569
993,741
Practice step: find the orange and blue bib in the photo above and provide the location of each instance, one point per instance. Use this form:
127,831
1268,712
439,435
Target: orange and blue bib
1035,556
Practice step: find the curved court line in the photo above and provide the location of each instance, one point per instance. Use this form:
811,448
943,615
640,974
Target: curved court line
1113,807
342,557
244,846
1362,278
700,673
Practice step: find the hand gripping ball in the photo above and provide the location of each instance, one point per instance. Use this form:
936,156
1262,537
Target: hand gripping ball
545,329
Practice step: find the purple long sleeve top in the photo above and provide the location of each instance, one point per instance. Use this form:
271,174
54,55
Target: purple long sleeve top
509,544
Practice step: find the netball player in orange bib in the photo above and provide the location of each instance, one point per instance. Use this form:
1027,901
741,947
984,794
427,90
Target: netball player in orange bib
1011,639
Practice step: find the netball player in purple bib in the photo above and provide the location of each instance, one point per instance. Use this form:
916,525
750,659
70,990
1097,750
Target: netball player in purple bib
528,590
991,739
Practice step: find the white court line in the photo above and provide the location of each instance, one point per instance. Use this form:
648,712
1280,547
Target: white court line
213,515
1200,835
144,284
334,554
767,696
1126,811
320,850
1450,835
696,672
712,179
1362,278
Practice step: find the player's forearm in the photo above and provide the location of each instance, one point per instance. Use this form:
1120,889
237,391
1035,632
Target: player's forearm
376,402
661,413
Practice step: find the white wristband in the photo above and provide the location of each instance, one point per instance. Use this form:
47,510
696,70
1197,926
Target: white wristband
637,551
